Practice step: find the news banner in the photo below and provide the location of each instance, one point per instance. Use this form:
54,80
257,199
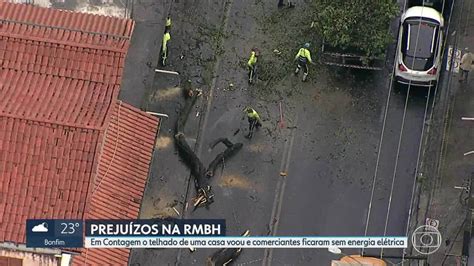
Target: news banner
179,233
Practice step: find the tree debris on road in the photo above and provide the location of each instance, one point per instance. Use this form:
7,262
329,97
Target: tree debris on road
231,150
226,255
201,175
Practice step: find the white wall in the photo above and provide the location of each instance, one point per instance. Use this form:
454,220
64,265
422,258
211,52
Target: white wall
31,259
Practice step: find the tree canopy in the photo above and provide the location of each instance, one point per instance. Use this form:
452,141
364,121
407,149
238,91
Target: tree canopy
360,25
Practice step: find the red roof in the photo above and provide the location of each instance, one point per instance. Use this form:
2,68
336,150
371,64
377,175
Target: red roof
68,149
61,27
66,76
45,171
125,160
121,179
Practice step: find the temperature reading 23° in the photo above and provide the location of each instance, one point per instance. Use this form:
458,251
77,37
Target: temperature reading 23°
69,228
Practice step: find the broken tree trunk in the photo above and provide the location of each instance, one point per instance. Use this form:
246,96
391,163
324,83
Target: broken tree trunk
201,183
231,150
203,189
226,255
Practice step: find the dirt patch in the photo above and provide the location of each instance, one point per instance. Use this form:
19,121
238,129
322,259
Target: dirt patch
163,142
259,147
335,103
161,206
345,135
236,181
166,93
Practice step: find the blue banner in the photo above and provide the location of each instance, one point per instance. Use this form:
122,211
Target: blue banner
156,227
47,233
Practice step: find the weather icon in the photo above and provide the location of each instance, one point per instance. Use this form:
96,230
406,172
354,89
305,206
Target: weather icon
40,228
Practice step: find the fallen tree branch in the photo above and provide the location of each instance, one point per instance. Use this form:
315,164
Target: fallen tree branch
204,195
226,255
231,150
203,189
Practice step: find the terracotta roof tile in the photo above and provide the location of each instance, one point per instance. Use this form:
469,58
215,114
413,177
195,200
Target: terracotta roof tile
43,197
67,148
121,179
65,27
50,94
96,257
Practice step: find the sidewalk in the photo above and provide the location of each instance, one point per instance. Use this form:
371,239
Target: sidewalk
446,166
142,57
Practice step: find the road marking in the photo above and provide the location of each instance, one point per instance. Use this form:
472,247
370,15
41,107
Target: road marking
440,156
387,217
279,193
382,134
201,133
421,149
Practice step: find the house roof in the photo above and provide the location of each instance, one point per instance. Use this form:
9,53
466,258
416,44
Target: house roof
121,177
45,171
63,27
68,148
68,71
125,160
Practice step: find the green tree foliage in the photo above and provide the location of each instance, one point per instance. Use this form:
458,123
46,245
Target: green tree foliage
356,25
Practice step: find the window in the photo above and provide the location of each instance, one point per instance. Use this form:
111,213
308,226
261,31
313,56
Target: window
420,43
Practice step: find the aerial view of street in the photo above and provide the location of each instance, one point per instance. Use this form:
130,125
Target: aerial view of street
305,118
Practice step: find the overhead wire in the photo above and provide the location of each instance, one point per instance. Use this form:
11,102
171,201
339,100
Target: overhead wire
418,166
400,139
395,168
379,152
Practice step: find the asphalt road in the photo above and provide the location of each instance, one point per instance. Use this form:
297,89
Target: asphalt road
328,146
336,190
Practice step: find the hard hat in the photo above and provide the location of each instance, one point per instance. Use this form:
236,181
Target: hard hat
306,45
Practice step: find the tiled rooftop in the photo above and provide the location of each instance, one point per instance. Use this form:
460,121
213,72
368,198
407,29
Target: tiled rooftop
65,27
124,162
68,65
121,179
44,173
54,99
68,149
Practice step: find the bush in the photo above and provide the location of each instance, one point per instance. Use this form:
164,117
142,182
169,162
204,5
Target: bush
360,25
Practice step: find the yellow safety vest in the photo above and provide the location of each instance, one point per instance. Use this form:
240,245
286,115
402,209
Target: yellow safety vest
253,115
166,38
168,22
253,60
304,53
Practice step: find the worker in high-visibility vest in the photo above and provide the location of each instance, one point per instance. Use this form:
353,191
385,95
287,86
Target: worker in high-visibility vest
164,47
168,24
253,119
303,57
252,64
